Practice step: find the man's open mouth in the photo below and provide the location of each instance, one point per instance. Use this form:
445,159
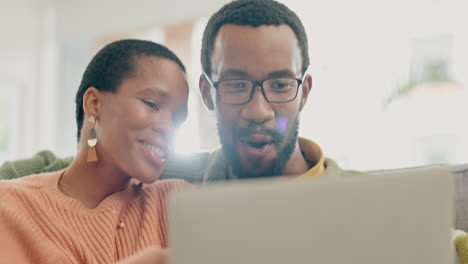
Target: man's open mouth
257,140
257,144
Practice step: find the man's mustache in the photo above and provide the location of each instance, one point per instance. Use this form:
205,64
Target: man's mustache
255,129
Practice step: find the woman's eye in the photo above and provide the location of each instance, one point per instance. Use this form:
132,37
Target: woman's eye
151,105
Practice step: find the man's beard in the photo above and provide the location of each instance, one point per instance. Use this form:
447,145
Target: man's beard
284,144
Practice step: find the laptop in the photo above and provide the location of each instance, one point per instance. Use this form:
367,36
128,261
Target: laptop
395,217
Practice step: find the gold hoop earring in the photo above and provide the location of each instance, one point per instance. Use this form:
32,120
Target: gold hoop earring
92,141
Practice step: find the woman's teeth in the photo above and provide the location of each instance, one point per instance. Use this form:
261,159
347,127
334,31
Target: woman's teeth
156,150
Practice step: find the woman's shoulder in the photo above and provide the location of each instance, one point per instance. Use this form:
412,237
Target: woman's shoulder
27,185
170,185
164,188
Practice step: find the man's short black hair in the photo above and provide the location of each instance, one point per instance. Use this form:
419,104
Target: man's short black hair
112,64
253,13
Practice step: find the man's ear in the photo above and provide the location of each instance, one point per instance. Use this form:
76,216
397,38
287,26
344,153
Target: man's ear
306,87
92,102
205,90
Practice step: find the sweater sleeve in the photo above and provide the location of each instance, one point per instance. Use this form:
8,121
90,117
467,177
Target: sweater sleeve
11,249
461,246
44,161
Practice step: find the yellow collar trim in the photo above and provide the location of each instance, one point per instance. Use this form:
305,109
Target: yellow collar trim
314,156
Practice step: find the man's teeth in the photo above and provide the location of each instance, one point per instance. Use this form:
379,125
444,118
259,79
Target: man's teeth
258,144
157,150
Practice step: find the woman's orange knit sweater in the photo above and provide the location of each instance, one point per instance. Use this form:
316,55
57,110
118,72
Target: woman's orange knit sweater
39,224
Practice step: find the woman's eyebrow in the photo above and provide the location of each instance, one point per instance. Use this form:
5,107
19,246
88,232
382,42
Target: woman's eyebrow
156,91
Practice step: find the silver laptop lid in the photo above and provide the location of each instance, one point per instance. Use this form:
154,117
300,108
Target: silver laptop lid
404,217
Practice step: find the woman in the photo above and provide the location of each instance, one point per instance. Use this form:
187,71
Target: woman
107,205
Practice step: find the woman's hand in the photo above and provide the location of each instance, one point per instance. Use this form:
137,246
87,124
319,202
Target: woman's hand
149,255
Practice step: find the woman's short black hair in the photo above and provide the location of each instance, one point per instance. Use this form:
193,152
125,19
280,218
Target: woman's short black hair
114,63
253,13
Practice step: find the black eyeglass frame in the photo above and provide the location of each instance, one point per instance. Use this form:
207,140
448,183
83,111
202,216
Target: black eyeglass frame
256,83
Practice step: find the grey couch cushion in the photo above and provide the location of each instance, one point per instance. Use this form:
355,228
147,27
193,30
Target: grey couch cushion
460,190
461,196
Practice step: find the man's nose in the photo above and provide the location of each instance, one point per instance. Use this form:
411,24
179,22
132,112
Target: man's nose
258,109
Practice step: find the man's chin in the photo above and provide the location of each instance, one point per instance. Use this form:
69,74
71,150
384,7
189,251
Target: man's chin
256,175
254,170
247,166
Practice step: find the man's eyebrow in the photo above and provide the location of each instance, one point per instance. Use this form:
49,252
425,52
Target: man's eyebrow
238,73
234,72
281,73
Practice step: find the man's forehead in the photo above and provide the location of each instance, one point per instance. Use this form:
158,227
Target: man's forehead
243,28
241,50
232,33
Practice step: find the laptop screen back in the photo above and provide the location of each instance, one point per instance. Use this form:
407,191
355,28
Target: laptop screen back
405,217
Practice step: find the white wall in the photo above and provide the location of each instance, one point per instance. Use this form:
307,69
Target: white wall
360,51
22,28
89,19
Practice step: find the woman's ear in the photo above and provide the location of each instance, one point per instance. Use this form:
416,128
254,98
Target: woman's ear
205,88
92,102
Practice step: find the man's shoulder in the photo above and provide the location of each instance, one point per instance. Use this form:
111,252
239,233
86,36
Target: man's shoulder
187,166
218,168
332,170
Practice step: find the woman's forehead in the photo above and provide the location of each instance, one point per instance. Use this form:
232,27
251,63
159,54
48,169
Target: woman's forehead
157,78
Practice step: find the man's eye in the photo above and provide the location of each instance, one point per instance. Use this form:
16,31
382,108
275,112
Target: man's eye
235,84
281,85
240,85
151,105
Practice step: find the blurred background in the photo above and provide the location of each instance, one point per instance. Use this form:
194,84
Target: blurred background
390,77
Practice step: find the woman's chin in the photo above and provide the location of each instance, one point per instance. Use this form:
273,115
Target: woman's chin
148,177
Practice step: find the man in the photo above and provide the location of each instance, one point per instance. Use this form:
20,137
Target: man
255,59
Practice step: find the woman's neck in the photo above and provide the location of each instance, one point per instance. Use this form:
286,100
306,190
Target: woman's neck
91,182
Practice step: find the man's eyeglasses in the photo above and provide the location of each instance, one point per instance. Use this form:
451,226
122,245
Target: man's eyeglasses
275,90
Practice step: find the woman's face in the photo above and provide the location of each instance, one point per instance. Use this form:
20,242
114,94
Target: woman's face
137,124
